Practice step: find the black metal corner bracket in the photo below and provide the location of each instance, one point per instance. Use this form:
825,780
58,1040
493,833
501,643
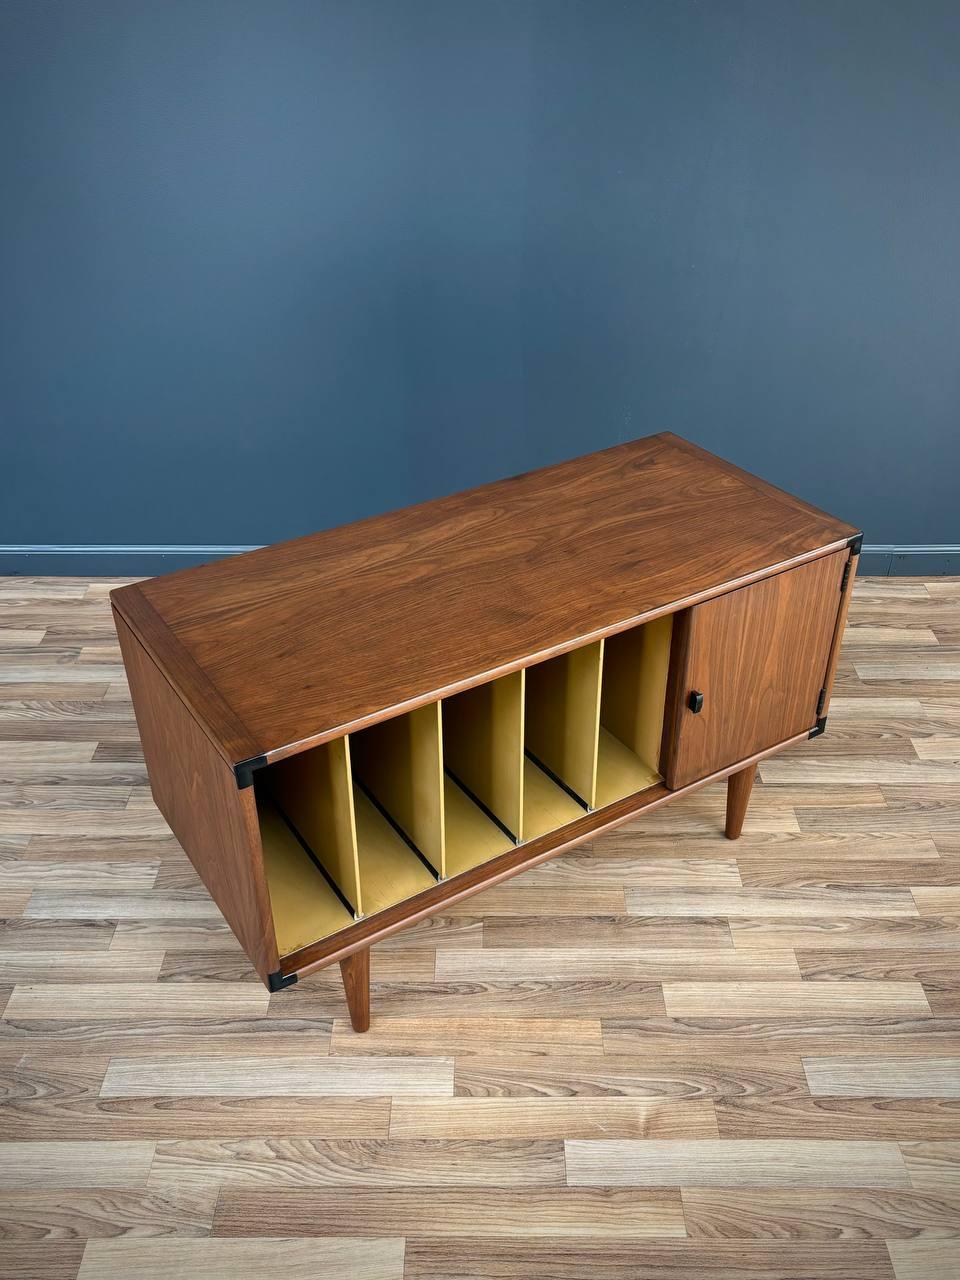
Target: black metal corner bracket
855,543
818,728
244,771
276,981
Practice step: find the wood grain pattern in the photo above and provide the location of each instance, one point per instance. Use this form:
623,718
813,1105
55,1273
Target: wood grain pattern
453,1259
221,835
418,584
567,1212
848,885
924,1259
235,1077
552,1118
733,1163
215,1259
74,1164
883,1077
759,656
854,1213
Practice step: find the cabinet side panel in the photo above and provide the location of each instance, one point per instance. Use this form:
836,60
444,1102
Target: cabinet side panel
197,793
759,657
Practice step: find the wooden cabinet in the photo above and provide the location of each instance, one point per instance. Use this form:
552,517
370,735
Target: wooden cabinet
349,731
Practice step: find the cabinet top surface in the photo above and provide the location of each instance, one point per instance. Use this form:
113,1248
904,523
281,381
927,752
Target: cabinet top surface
307,639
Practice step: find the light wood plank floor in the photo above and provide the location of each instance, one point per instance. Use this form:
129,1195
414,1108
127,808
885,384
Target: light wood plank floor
661,1055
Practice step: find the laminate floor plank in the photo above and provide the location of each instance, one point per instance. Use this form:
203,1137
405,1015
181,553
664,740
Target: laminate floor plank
772,903
50,1165
887,1077
47,904
86,877
53,1001
615,932
933,1164
169,1258
228,1076
85,966
726,1038
43,1260
640,965
938,971
581,1117
178,1036
925,1259
789,999
850,1214
798,1115
628,1076
734,1163
841,933
824,874
590,869
87,1214
52,936
567,1212
306,1162
465,1037
473,1258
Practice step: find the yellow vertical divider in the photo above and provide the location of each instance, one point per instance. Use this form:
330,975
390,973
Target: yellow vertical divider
315,793
563,717
400,763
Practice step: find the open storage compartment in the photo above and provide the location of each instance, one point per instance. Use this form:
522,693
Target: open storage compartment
562,712
634,691
483,767
398,799
305,811
360,823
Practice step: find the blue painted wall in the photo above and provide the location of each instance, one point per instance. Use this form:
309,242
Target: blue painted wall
271,265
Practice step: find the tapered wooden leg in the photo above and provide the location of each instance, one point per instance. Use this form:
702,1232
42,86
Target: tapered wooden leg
355,971
739,786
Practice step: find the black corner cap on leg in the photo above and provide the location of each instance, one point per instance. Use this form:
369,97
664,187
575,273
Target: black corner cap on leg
818,728
276,981
855,544
244,771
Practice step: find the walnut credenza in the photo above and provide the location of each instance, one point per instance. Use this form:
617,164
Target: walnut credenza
348,731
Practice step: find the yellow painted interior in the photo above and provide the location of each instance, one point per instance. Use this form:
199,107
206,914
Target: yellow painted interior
483,745
594,717
389,869
620,772
304,906
545,805
563,716
635,668
471,836
314,790
400,763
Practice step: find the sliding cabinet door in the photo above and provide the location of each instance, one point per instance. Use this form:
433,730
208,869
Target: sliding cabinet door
750,668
